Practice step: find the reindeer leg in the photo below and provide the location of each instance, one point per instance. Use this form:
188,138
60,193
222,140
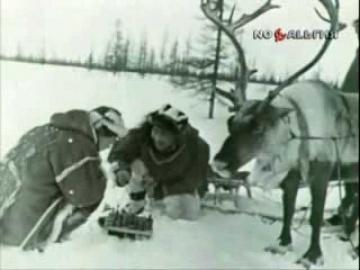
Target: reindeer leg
320,173
290,188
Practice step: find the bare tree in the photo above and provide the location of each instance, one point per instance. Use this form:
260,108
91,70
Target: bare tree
108,56
220,7
188,48
151,66
126,54
19,52
163,52
114,54
118,48
174,58
187,56
90,60
143,54
206,61
42,55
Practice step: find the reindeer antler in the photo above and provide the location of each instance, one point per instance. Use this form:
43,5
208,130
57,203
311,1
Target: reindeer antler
333,12
341,26
229,28
246,18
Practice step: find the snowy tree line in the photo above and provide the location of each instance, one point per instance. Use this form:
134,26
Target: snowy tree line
192,58
194,63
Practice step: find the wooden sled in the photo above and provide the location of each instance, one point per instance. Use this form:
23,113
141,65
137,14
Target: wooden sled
234,204
226,200
123,232
249,206
129,226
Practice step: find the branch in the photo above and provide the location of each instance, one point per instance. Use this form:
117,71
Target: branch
228,95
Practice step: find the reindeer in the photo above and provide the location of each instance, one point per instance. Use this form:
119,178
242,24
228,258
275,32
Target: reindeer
303,130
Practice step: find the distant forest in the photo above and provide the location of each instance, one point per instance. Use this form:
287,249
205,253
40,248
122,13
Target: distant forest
190,63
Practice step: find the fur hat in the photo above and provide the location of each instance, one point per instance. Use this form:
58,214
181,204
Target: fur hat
169,118
106,121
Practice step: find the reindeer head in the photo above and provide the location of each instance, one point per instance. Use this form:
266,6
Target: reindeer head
251,133
255,128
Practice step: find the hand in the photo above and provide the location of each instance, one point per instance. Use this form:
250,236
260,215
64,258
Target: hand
122,178
118,128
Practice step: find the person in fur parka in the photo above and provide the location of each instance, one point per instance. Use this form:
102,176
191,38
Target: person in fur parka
54,171
169,151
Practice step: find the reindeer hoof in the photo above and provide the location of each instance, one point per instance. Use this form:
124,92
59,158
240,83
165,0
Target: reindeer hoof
279,249
308,263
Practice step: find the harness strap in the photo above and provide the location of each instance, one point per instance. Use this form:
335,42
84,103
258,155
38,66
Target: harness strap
348,118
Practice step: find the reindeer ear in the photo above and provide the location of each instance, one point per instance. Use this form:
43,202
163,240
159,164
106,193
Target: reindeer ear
230,123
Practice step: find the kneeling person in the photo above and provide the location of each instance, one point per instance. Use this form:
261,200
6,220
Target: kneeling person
170,151
51,181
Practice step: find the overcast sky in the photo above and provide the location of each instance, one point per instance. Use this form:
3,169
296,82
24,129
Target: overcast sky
71,28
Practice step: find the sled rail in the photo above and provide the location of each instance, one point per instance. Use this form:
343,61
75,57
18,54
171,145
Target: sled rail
112,229
232,184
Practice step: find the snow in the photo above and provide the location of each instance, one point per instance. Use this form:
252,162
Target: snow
31,93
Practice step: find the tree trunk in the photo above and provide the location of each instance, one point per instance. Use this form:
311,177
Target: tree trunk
217,63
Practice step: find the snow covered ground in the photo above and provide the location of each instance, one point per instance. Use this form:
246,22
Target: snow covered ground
31,93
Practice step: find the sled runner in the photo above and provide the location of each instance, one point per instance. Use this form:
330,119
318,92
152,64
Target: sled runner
128,226
270,210
231,203
227,199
